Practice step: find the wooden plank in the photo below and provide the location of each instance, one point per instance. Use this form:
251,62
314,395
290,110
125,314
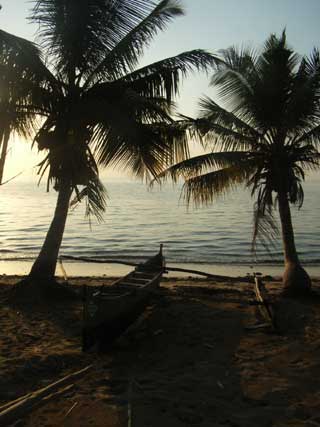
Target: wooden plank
264,305
116,296
133,285
142,273
139,281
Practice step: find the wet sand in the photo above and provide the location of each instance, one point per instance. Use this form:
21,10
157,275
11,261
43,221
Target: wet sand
189,360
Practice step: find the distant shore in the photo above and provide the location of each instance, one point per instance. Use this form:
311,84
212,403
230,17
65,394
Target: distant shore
81,269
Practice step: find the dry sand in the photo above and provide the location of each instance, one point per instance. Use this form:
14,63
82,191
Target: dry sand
189,360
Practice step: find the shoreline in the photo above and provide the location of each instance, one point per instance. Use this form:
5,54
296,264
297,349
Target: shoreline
83,269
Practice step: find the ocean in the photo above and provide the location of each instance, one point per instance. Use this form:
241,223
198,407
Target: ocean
138,219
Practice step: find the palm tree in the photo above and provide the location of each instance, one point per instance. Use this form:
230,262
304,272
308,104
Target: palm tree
96,106
267,137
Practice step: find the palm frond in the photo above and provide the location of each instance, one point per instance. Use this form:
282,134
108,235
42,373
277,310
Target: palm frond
204,189
79,33
265,228
108,101
95,195
22,73
145,149
76,32
18,50
222,130
312,136
23,57
69,156
275,78
234,68
162,78
303,109
124,57
175,135
217,115
202,164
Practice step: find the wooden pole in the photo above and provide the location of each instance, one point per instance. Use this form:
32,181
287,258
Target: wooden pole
19,407
264,306
183,270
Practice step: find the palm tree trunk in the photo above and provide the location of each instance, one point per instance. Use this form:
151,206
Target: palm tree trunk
296,280
4,142
45,264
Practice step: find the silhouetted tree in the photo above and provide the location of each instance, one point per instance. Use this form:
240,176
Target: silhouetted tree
97,106
266,138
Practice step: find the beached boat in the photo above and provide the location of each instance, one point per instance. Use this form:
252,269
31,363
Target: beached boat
109,311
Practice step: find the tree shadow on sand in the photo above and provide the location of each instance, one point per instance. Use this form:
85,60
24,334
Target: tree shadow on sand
178,367
39,339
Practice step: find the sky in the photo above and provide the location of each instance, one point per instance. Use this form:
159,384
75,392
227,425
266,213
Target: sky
207,24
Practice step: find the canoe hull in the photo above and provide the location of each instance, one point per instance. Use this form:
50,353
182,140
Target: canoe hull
109,312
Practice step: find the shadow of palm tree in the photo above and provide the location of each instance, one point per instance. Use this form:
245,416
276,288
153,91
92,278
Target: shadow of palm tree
177,367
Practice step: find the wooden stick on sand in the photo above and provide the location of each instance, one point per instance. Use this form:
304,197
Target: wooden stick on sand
19,407
264,306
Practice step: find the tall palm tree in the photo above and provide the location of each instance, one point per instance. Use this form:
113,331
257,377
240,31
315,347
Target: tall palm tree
267,137
97,106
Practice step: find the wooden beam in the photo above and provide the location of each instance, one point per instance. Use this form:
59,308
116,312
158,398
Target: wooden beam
19,407
182,270
264,305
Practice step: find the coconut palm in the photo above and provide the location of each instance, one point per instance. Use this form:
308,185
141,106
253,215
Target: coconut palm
266,137
97,106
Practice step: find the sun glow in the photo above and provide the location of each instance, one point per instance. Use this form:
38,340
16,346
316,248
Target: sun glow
21,160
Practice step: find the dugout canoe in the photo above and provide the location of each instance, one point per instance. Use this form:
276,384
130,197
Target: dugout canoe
110,310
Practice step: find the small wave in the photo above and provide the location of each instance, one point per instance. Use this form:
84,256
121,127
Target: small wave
17,258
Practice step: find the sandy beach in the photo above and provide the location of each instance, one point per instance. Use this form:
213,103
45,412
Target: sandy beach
191,359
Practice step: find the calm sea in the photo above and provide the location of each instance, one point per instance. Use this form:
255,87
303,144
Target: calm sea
138,219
